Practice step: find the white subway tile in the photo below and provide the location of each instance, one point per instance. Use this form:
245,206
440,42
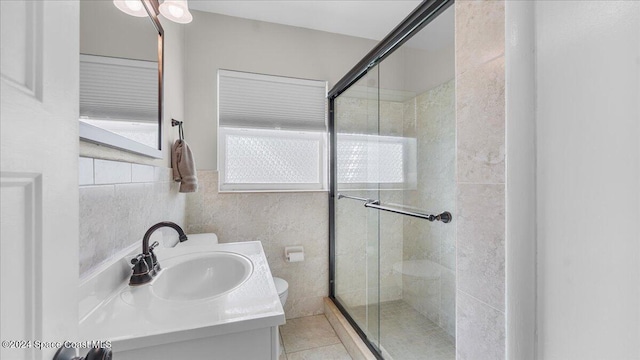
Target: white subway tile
111,172
142,173
85,171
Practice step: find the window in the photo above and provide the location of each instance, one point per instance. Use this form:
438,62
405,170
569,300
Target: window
386,162
272,133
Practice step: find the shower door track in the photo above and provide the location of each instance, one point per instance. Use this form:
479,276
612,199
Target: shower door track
414,22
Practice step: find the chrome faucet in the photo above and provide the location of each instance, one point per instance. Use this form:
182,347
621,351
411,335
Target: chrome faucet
145,265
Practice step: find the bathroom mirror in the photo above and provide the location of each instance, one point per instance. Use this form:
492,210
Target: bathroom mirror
121,69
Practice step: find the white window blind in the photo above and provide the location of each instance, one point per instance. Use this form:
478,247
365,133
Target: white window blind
271,102
272,133
118,89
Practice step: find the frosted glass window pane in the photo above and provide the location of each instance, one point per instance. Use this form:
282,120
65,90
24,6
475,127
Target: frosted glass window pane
272,132
272,157
366,159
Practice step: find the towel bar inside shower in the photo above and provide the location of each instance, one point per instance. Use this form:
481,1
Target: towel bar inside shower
445,217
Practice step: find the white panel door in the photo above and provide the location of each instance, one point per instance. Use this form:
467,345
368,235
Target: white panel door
38,179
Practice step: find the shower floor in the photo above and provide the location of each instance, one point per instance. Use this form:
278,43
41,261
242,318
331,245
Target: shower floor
406,334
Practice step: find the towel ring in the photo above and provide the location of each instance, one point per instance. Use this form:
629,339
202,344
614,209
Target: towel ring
177,123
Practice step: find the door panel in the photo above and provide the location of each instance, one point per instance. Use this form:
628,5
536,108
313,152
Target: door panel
19,221
39,178
357,228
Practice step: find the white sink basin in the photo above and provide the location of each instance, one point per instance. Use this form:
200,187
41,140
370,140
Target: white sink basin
201,276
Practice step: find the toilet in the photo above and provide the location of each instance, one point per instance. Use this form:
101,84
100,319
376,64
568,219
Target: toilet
283,289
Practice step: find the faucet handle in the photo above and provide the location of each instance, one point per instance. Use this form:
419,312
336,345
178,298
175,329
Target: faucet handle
155,267
137,259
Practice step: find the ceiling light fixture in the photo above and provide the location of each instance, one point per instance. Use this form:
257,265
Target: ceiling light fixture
176,10
131,7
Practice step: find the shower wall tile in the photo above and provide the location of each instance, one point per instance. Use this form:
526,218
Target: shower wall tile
481,266
448,302
480,330
434,105
391,245
481,124
352,115
391,118
430,117
448,246
481,162
409,118
479,33
115,216
276,220
423,294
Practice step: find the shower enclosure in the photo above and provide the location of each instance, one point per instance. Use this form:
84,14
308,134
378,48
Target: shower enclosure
392,124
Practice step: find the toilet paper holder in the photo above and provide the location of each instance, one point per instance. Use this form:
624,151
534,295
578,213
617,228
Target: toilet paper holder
294,253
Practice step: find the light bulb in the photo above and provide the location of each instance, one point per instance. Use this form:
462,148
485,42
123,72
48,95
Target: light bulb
176,11
134,5
131,7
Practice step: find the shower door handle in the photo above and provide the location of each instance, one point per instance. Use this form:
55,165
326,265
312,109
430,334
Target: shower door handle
445,217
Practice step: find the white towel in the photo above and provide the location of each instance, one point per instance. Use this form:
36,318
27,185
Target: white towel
184,167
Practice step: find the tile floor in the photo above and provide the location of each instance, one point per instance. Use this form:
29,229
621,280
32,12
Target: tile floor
311,338
406,334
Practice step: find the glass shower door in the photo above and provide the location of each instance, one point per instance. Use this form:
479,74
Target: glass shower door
357,273
394,189
417,263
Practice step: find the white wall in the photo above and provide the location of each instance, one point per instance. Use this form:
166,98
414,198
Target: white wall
588,176
215,42
520,172
107,31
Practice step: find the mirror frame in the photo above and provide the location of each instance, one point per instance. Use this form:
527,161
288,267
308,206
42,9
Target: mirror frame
100,136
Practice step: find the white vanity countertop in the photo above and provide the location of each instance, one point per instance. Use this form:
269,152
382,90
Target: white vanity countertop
135,318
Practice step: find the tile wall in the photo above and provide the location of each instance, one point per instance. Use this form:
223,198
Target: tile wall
119,201
430,117
277,220
480,107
